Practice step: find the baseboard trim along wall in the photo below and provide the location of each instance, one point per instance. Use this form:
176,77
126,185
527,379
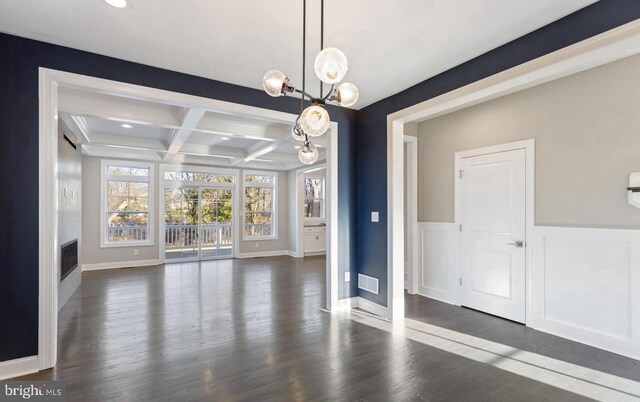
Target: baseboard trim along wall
584,283
265,254
364,304
18,367
119,264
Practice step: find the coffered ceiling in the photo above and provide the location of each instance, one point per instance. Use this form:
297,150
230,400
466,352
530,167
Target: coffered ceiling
110,125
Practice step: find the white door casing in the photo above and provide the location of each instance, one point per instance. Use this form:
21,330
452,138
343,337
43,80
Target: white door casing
493,238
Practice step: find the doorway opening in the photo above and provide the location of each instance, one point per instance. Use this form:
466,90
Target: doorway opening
199,219
218,211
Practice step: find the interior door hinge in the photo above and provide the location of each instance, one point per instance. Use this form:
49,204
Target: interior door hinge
460,228
460,173
460,281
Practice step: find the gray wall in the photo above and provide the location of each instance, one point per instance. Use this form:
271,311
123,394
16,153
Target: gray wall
94,254
69,211
587,132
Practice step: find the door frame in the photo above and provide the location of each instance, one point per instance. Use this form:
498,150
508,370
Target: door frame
296,213
49,83
529,147
162,168
413,270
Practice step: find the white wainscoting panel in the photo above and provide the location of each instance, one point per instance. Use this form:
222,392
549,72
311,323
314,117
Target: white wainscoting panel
438,255
585,286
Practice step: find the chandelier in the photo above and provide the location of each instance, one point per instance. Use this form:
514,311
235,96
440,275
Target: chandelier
331,66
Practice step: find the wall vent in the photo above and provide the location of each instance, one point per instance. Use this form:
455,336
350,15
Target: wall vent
368,283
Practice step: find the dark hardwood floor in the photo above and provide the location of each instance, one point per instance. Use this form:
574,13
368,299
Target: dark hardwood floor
253,330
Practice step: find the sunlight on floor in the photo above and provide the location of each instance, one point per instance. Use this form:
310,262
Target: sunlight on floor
560,374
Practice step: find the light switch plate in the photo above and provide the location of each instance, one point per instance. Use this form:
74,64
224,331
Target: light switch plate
375,217
347,276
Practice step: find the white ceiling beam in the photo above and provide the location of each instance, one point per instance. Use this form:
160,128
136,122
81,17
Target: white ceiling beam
116,151
78,126
207,149
273,131
111,139
119,109
179,136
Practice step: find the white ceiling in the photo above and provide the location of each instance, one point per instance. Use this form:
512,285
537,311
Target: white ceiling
183,134
391,45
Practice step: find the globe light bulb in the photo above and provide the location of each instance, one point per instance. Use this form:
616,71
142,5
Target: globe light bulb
296,132
274,83
314,121
347,94
308,154
331,65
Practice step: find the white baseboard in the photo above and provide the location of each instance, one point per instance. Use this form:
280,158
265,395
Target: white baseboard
362,303
293,254
313,253
265,254
374,308
119,264
18,367
346,304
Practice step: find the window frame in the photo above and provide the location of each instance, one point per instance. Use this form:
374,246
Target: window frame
150,179
322,218
274,202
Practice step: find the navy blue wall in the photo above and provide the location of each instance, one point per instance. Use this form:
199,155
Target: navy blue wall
19,62
371,167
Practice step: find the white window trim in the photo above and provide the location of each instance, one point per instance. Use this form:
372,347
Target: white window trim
104,163
164,184
274,213
197,169
304,199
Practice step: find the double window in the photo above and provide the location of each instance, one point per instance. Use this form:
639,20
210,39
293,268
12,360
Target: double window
259,190
314,198
127,194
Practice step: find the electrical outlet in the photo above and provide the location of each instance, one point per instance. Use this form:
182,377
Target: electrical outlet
375,217
347,276
257,245
136,251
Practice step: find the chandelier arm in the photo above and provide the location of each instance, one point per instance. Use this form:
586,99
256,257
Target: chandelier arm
303,95
328,93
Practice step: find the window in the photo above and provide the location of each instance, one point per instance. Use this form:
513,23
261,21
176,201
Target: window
205,177
259,205
314,198
127,191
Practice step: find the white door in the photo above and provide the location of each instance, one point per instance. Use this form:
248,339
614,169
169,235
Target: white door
493,233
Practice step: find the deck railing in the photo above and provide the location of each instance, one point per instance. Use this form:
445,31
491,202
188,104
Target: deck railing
216,235
126,233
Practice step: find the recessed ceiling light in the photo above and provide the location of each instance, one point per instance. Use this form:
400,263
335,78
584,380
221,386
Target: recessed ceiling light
126,125
297,147
225,138
117,3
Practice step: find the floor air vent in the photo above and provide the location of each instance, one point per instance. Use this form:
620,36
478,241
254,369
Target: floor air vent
368,283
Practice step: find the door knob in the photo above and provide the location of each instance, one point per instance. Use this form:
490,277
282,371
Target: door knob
518,243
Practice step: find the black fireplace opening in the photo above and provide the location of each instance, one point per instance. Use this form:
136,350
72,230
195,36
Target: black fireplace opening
68,258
